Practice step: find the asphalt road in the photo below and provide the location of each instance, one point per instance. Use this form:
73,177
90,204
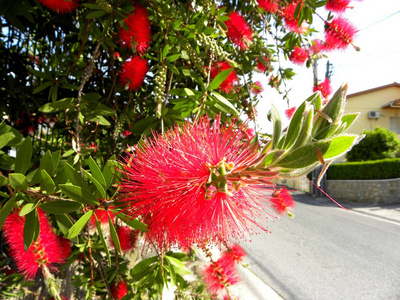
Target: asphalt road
326,252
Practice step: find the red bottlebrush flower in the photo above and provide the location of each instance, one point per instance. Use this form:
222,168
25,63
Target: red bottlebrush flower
133,73
290,111
292,22
117,55
239,32
337,6
324,87
339,33
263,63
256,88
250,133
138,36
119,290
219,275
281,201
299,55
60,6
127,238
46,251
270,6
102,217
227,85
235,254
170,182
317,47
62,298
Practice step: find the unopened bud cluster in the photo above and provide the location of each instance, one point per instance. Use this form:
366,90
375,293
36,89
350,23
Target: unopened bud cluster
105,5
195,58
212,44
159,87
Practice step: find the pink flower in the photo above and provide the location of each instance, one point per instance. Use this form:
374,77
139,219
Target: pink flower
219,275
299,55
270,6
339,33
324,87
133,72
45,252
227,85
60,6
239,32
256,88
234,254
292,22
281,201
187,185
290,111
127,238
119,290
138,36
337,6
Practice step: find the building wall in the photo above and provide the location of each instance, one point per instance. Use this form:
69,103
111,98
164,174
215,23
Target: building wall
373,100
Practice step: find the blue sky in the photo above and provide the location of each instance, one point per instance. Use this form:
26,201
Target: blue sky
376,64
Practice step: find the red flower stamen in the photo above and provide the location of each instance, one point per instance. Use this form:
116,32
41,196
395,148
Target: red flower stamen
133,72
60,6
239,32
339,33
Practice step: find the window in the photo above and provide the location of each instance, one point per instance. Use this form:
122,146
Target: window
394,124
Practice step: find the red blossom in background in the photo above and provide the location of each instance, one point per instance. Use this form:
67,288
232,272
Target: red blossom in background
256,88
127,238
292,22
270,6
317,47
263,63
324,87
339,33
133,72
46,252
60,6
102,217
239,32
227,85
167,183
219,275
337,6
119,290
139,36
234,254
299,55
281,201
290,111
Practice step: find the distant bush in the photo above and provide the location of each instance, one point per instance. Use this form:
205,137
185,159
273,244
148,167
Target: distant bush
379,143
378,169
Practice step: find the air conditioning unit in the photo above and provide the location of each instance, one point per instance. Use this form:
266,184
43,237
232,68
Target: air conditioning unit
373,114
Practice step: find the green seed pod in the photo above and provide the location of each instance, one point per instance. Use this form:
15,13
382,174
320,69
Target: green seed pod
159,86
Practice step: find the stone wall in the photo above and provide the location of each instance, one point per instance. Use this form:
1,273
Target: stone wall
365,191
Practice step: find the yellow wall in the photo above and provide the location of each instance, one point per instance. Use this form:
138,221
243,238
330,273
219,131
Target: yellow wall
373,100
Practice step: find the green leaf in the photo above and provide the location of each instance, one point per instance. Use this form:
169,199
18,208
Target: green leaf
272,157
101,120
3,180
173,58
99,187
96,172
107,173
96,14
6,209
42,87
103,241
24,156
218,97
91,97
305,131
139,127
132,222
304,156
28,208
64,223
143,267
46,163
114,235
219,79
340,145
294,126
31,228
18,181
349,119
5,138
60,207
179,267
75,193
172,68
76,229
57,106
47,182
277,125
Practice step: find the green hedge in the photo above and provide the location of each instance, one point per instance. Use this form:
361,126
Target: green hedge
377,169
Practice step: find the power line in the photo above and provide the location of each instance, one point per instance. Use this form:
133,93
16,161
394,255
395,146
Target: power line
370,25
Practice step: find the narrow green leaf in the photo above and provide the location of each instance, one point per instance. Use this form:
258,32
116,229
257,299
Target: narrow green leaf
31,228
143,266
6,209
277,125
132,222
24,156
47,182
27,208
79,225
114,235
294,126
99,187
64,223
96,172
179,267
340,145
272,157
75,193
305,132
3,180
18,181
173,58
42,87
103,241
60,207
61,105
5,138
96,14
219,79
108,174
224,102
349,119
46,163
